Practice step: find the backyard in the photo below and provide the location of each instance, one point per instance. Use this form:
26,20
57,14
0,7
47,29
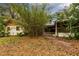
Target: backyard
38,46
39,29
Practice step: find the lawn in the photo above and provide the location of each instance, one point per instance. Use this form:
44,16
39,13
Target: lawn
38,46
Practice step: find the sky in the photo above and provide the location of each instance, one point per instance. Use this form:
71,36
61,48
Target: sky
53,7
56,7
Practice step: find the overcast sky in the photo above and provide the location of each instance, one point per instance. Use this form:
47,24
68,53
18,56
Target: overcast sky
55,7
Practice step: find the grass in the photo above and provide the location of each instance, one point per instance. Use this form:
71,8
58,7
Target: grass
8,40
38,46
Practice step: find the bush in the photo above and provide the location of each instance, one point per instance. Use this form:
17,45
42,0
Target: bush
70,37
7,34
2,34
76,35
25,33
20,34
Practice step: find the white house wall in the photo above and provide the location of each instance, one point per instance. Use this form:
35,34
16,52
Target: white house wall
13,30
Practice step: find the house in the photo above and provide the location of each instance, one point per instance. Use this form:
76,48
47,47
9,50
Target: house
12,28
61,28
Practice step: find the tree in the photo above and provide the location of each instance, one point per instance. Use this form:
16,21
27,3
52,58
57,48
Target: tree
2,27
32,17
59,16
74,18
1,24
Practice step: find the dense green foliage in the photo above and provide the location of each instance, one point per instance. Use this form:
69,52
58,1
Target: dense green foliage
71,16
74,19
2,27
32,17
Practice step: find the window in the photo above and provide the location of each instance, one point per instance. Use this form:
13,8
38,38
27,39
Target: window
17,28
8,28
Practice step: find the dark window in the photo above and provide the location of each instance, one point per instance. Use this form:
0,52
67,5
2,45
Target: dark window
8,28
17,28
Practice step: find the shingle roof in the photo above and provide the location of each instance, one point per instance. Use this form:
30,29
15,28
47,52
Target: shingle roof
11,22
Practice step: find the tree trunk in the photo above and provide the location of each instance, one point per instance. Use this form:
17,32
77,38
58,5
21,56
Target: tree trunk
56,32
70,29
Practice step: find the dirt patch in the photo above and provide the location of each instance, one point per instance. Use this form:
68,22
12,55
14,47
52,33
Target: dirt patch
59,42
40,46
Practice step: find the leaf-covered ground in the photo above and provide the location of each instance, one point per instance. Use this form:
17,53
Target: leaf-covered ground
41,46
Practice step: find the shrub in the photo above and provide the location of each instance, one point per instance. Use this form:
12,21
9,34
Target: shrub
7,34
2,34
25,33
76,35
70,37
20,34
